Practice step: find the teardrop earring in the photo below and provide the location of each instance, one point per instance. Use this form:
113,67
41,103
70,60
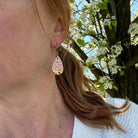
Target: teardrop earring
57,66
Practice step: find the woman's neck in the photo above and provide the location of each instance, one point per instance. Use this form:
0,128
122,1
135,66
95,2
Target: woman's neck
39,106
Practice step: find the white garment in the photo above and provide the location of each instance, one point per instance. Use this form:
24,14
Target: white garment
128,121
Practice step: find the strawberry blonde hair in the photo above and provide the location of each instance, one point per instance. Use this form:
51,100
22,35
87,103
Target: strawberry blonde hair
88,105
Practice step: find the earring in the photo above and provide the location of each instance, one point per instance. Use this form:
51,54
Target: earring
57,66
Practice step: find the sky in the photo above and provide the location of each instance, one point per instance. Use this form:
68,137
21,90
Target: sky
134,6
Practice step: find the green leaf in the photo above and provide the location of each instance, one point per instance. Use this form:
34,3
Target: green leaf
93,32
115,87
91,17
89,64
71,1
86,7
110,27
101,88
102,6
100,56
96,83
91,11
122,73
107,1
81,42
114,23
90,45
79,24
122,67
101,44
127,44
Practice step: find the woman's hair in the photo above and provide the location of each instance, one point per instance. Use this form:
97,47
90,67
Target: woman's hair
77,90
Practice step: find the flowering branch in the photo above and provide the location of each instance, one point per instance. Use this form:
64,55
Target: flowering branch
97,72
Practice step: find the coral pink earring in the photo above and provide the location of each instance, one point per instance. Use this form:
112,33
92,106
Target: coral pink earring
57,66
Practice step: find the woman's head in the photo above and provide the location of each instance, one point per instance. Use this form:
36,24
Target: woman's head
31,30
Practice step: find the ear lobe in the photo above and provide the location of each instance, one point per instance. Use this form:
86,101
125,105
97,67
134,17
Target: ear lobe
59,34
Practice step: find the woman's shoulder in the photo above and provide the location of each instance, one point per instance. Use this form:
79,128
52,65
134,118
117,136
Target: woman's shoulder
128,121
118,102
131,113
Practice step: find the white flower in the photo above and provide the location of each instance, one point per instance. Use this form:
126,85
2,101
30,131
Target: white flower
92,60
136,65
114,69
90,28
101,80
111,56
103,42
82,16
94,5
107,22
107,85
99,1
106,81
104,78
94,41
112,62
133,29
101,50
74,33
116,49
88,60
108,16
113,18
86,23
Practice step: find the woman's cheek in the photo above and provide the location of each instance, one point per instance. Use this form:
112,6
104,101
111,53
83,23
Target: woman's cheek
14,48
22,47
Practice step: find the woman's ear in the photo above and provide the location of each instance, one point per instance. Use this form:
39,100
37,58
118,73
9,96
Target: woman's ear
59,34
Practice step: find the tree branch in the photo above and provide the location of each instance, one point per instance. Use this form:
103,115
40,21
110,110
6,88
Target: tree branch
123,20
88,1
109,33
78,50
98,18
132,61
135,20
97,72
92,34
95,24
113,6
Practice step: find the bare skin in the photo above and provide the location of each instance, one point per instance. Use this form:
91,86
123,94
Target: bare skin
31,105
